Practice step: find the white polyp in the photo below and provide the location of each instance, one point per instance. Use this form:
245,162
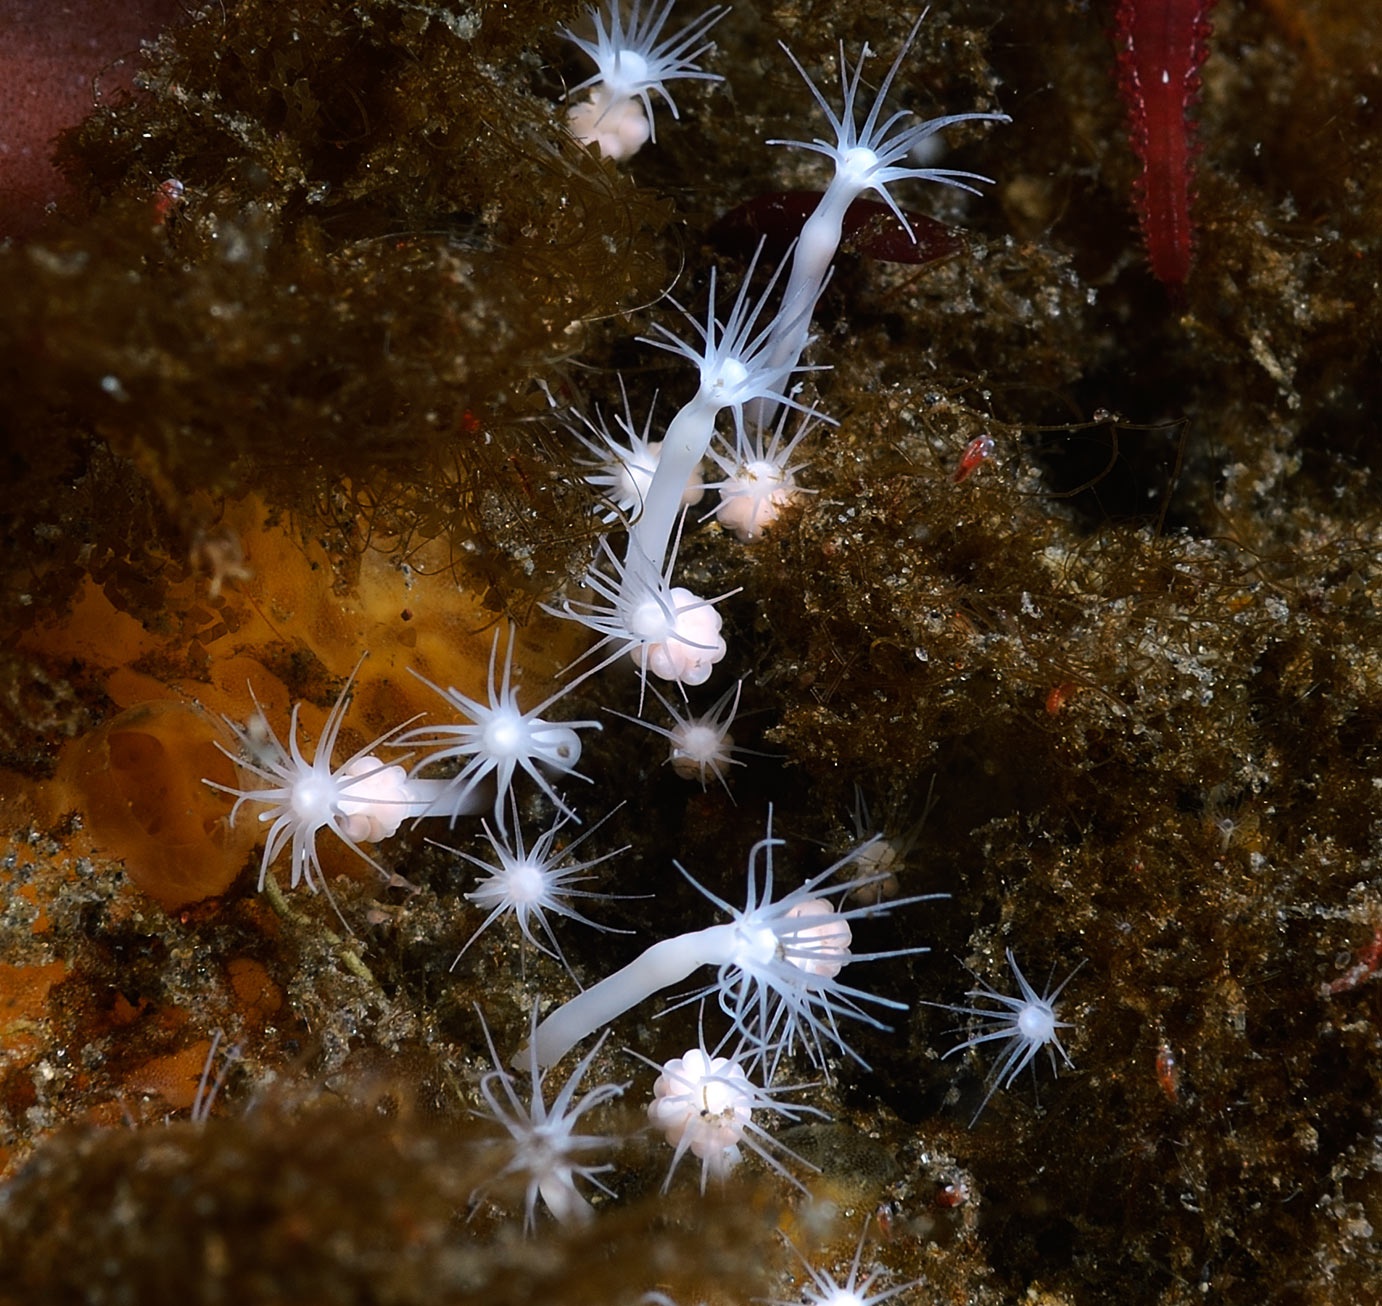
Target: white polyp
651,620
697,748
558,1192
624,464
759,476
868,156
615,123
821,949
703,1104
1023,1024
681,641
665,963
684,445
499,739
753,499
626,475
857,1289
545,1151
927,152
313,800
377,801
665,629
302,796
634,61
777,963
534,882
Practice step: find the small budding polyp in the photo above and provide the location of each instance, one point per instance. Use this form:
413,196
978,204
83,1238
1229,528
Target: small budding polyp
533,883
1023,1024
705,1104
617,126
755,501
622,470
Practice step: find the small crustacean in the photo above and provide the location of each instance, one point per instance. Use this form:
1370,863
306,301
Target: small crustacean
978,451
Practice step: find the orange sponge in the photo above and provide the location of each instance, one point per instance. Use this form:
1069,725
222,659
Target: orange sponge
138,782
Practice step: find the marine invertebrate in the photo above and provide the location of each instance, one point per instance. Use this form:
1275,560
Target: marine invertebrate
633,61
499,740
667,629
704,1105
746,365
622,469
532,884
823,1289
664,628
1161,47
1024,1024
738,363
891,840
363,800
544,1148
777,963
868,157
760,479
699,746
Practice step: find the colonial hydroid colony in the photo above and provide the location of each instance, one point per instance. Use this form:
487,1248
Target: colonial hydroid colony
652,618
